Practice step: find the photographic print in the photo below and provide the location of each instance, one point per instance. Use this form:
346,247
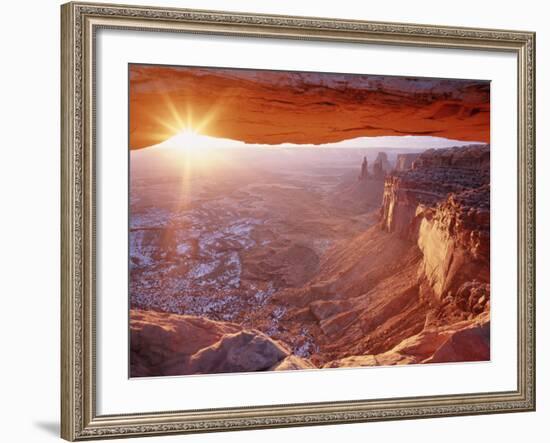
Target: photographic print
283,220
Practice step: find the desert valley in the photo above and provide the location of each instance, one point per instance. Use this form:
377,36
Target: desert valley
301,258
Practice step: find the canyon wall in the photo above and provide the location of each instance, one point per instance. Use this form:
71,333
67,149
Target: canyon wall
442,204
413,289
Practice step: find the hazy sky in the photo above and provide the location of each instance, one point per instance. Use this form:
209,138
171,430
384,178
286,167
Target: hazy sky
400,142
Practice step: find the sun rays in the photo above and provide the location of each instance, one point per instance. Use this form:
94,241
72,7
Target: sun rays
187,147
190,139
179,116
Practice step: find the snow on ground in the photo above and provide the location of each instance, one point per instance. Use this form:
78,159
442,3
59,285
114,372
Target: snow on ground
189,262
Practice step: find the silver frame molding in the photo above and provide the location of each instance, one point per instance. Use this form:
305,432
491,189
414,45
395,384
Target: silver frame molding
79,22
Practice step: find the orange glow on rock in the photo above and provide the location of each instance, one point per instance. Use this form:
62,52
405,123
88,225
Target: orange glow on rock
272,107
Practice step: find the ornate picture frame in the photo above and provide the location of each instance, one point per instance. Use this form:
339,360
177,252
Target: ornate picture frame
80,22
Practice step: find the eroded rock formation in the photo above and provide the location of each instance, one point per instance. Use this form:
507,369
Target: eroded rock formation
405,161
380,166
459,173
364,169
415,291
442,203
295,107
171,344
466,340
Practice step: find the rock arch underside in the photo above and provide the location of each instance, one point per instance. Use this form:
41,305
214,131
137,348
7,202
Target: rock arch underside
275,107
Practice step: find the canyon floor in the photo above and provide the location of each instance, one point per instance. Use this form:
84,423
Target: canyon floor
284,259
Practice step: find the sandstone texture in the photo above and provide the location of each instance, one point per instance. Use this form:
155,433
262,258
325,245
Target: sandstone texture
295,107
442,203
171,344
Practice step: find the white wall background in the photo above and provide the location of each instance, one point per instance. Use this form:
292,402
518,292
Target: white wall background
29,219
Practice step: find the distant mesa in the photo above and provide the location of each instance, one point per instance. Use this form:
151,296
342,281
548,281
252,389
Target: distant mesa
364,169
405,161
381,166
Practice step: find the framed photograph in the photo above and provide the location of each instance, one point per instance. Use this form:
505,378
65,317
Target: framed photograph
282,221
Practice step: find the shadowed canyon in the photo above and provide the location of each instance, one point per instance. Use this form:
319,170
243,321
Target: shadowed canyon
254,259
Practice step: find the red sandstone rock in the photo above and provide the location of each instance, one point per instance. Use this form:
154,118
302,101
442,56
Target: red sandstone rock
449,222
292,363
244,351
461,341
301,107
170,344
468,344
414,294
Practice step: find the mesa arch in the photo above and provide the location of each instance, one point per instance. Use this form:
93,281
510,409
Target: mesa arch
272,107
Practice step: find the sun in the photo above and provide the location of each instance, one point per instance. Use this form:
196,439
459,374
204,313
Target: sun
190,139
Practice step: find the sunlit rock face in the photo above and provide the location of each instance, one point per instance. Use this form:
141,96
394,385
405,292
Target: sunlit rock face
276,107
462,341
442,204
433,176
454,239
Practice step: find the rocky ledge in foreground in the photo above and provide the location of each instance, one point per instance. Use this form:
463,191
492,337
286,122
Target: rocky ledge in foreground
171,344
463,341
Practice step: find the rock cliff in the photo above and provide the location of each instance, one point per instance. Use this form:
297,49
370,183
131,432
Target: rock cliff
442,204
415,288
171,344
